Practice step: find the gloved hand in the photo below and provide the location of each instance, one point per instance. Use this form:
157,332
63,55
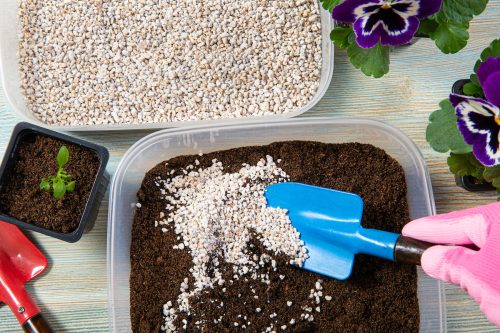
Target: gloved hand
476,271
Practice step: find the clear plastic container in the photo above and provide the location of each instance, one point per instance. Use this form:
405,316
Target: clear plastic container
166,144
9,70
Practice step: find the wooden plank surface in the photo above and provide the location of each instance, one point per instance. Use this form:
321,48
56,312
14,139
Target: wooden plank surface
73,293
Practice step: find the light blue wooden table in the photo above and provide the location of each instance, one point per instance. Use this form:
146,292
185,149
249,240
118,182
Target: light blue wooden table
73,293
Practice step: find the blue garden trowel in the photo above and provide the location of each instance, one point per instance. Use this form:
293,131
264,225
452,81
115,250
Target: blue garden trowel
329,223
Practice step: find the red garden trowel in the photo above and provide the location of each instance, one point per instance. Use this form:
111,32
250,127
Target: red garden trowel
20,261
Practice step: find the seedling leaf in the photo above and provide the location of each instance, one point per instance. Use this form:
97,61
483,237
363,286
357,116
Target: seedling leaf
62,157
59,189
61,182
45,185
70,186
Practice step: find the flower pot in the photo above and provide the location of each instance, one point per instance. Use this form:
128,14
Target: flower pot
25,157
469,183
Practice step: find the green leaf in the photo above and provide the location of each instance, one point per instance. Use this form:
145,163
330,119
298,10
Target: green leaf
475,79
442,132
45,185
427,26
64,175
450,37
340,36
372,62
472,89
329,4
465,165
59,189
461,10
70,186
62,156
491,173
476,66
493,50
452,20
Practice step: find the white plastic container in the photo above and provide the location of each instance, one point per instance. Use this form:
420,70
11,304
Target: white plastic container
163,145
9,70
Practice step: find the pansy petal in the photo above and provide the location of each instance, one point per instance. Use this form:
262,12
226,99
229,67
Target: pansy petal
488,74
395,37
478,141
364,39
478,104
406,7
346,11
493,148
476,120
468,129
481,153
491,88
428,8
488,67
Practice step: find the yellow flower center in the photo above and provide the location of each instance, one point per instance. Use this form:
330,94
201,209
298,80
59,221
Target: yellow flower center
386,5
497,120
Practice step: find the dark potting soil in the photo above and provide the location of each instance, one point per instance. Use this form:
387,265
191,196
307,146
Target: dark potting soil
21,196
379,296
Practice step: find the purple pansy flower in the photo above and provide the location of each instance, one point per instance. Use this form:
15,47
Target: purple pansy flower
479,120
393,22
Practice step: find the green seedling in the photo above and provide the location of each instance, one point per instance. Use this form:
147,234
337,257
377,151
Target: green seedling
61,182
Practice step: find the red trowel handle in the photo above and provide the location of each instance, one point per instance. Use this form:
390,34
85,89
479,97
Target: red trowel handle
26,311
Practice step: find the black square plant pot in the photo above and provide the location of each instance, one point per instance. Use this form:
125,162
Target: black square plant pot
468,182
100,184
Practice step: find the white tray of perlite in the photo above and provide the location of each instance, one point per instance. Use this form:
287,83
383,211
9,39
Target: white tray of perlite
125,65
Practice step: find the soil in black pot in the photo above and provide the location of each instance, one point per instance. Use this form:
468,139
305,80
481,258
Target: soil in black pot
379,296
35,159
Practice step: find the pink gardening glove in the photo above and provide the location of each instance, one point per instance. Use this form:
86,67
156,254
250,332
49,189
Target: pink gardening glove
478,272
